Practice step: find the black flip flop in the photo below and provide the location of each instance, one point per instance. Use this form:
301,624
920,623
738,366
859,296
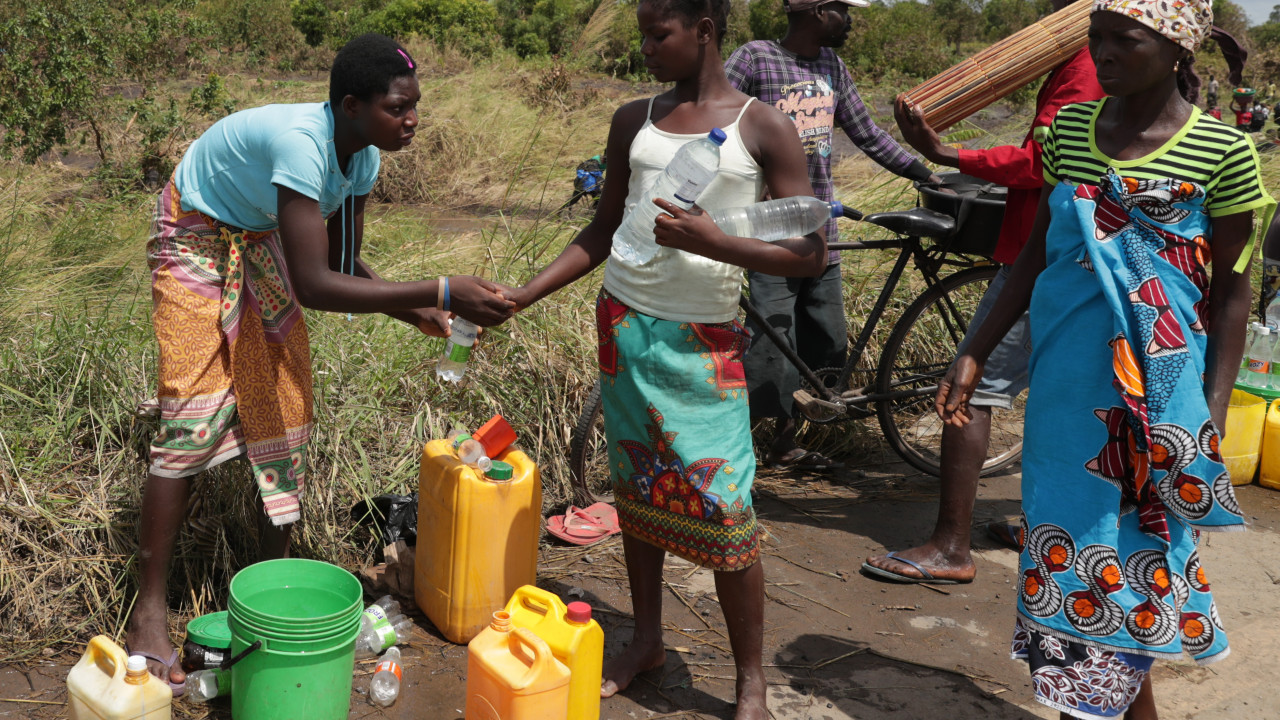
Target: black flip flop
808,460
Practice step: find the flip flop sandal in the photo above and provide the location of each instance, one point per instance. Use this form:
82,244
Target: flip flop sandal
1006,535
178,688
808,460
585,526
925,575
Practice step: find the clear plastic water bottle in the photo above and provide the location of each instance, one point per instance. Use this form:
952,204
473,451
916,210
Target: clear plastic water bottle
457,351
1273,377
1273,314
777,219
382,635
1260,360
687,175
381,609
469,450
1250,337
385,686
205,685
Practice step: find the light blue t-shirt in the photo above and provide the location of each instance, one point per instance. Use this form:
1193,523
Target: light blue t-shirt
229,173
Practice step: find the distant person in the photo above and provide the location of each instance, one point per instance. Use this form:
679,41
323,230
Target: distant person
264,215
802,76
1269,95
945,558
1215,112
670,350
1211,92
588,181
1138,347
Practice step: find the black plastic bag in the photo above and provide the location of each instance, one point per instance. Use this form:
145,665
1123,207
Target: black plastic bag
393,517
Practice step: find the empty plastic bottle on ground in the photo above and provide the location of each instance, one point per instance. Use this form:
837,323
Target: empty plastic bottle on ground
457,351
385,686
469,450
687,175
205,685
1260,360
381,626
777,219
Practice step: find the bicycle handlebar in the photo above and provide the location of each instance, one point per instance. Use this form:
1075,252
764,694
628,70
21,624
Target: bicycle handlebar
851,213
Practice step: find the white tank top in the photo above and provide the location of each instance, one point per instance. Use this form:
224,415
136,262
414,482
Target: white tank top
674,284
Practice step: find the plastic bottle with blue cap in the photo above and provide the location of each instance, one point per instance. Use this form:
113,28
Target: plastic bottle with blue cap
689,173
774,220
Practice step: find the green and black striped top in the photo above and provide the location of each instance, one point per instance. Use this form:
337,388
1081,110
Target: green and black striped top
1219,158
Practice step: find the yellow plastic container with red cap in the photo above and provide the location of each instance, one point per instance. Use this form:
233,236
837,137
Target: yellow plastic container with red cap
512,674
574,638
477,537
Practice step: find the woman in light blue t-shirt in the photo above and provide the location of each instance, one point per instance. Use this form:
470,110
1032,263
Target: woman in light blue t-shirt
264,215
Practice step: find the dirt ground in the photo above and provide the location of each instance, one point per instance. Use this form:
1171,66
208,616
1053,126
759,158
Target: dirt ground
837,644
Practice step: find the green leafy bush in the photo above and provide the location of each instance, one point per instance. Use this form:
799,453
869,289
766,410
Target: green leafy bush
262,27
55,54
541,27
469,25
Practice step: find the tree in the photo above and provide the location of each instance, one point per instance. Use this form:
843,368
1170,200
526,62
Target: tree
1231,17
1274,17
960,19
1002,18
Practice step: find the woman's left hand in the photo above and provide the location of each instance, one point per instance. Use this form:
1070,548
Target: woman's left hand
683,230
432,322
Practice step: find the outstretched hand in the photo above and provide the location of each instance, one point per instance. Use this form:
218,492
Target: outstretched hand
955,389
479,300
684,230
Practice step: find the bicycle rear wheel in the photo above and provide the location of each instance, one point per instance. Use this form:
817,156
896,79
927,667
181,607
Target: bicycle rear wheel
916,356
589,454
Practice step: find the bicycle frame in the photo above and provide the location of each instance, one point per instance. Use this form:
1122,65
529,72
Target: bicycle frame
926,260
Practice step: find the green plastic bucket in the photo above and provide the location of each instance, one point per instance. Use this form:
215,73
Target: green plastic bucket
306,614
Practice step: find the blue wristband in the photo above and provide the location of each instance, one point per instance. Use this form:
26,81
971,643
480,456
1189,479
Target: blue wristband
446,295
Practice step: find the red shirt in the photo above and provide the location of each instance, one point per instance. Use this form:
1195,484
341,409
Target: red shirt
1019,168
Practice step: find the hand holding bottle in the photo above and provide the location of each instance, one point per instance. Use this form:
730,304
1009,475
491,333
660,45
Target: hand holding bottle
689,231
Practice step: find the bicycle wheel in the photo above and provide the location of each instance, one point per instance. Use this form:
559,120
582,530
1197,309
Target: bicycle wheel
589,454
917,355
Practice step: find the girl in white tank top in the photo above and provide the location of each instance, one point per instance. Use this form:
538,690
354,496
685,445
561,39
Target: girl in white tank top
670,354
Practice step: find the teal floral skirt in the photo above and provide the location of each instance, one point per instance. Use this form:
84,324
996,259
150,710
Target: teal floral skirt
679,434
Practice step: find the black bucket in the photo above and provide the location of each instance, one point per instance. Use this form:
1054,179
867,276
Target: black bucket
977,206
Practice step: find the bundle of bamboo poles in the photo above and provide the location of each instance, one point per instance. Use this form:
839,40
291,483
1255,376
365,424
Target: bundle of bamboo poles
1003,67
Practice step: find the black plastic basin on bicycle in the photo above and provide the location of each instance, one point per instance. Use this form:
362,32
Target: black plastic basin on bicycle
977,206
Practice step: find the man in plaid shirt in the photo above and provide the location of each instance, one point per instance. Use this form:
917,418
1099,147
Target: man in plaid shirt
802,76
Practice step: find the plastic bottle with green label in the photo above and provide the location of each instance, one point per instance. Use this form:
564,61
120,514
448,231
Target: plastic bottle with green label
457,351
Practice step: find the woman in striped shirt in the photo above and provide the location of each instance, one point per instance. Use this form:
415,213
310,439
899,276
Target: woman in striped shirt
1136,349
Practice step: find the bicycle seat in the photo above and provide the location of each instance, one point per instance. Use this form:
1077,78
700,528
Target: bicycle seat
918,222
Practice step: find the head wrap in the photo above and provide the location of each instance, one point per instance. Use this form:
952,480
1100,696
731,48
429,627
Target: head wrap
1185,22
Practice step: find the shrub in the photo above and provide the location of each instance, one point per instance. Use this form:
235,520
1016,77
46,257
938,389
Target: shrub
470,25
54,55
261,27
539,27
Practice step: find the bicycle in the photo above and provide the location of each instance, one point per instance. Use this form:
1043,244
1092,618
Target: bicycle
900,391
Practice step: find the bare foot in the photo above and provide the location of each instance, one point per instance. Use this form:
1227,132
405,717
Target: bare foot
751,699
940,565
149,632
637,658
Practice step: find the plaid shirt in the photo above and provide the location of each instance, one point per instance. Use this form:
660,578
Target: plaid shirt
817,94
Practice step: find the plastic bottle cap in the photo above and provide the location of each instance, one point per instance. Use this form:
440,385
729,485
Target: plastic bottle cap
837,209
717,136
136,664
211,631
500,471
579,612
495,435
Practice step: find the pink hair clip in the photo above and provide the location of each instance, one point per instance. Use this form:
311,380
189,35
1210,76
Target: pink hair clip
406,58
